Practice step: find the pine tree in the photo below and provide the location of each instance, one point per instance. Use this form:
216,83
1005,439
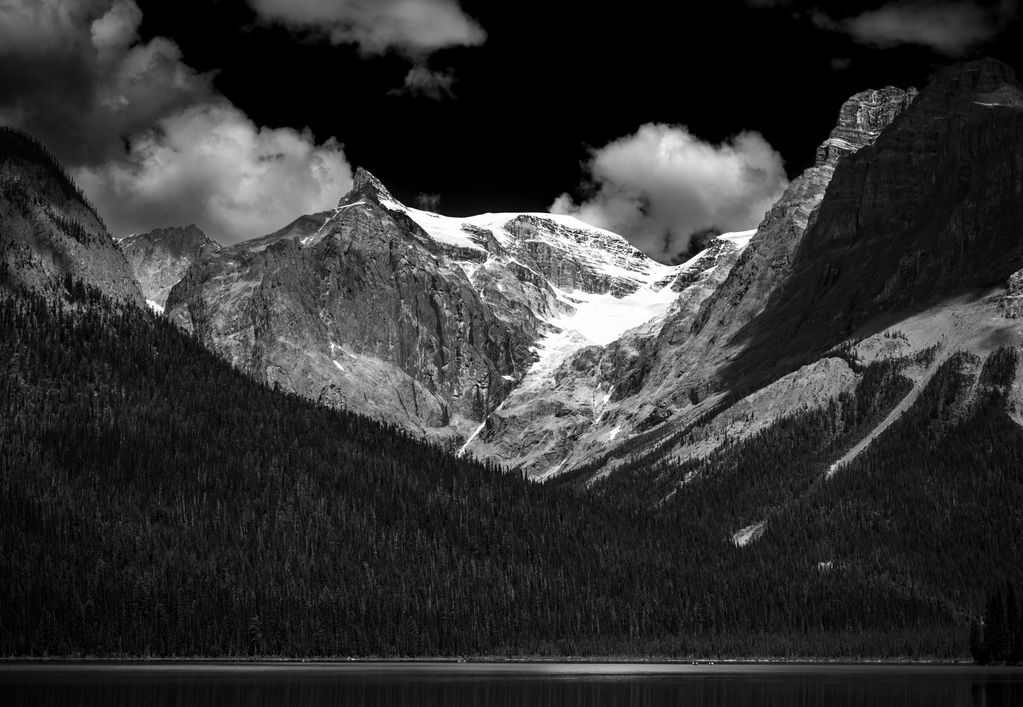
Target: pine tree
1012,625
1016,649
996,637
977,651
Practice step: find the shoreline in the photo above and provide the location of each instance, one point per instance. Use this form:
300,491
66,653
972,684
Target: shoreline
489,661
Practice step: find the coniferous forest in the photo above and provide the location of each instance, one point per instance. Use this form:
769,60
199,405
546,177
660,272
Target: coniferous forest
154,501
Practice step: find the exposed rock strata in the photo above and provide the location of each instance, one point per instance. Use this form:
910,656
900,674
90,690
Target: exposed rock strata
160,258
413,318
657,379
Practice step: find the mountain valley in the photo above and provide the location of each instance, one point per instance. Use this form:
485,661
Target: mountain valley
804,441
542,344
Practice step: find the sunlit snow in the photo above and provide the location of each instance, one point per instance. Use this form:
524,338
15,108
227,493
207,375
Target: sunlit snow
749,534
601,319
471,438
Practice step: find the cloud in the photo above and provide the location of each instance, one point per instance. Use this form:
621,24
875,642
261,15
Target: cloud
424,82
111,106
115,31
411,27
40,25
75,74
952,27
427,202
235,179
661,185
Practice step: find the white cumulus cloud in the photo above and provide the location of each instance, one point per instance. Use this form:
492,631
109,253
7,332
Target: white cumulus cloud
211,165
946,27
151,140
427,83
411,27
662,184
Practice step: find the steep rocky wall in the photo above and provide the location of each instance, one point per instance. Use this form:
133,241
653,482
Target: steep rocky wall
932,209
160,257
364,313
651,382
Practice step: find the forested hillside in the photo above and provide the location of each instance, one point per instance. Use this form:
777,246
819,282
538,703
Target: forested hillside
153,501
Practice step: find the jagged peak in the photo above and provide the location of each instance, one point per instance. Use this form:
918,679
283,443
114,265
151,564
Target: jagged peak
179,233
366,185
173,239
862,117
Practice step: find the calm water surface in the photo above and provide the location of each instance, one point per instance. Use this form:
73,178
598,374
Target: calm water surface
553,685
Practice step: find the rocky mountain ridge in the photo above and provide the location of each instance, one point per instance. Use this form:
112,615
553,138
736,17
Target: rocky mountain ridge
661,380
545,345
159,258
425,321
902,248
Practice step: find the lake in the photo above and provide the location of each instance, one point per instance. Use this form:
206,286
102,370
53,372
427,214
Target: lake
500,685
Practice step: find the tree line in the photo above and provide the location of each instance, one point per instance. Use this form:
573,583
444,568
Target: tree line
156,501
1000,638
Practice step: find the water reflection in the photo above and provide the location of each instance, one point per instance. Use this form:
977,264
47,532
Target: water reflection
481,687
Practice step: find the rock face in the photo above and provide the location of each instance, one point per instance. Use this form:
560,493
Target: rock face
1011,305
914,203
932,209
160,258
577,401
768,260
48,231
424,321
655,381
545,345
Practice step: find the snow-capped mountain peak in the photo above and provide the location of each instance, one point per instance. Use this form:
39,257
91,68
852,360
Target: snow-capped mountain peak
430,322
571,254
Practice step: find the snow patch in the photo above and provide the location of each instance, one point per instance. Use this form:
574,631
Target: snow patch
318,236
614,433
442,229
475,432
603,318
607,398
603,251
749,534
156,307
740,239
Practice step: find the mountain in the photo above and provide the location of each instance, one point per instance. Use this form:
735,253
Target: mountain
421,320
931,212
155,501
160,258
905,251
570,405
51,235
549,346
646,386
814,493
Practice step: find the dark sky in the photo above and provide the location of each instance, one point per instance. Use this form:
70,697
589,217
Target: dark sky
509,122
551,79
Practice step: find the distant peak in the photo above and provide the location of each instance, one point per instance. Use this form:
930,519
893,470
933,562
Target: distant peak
180,236
366,184
861,119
